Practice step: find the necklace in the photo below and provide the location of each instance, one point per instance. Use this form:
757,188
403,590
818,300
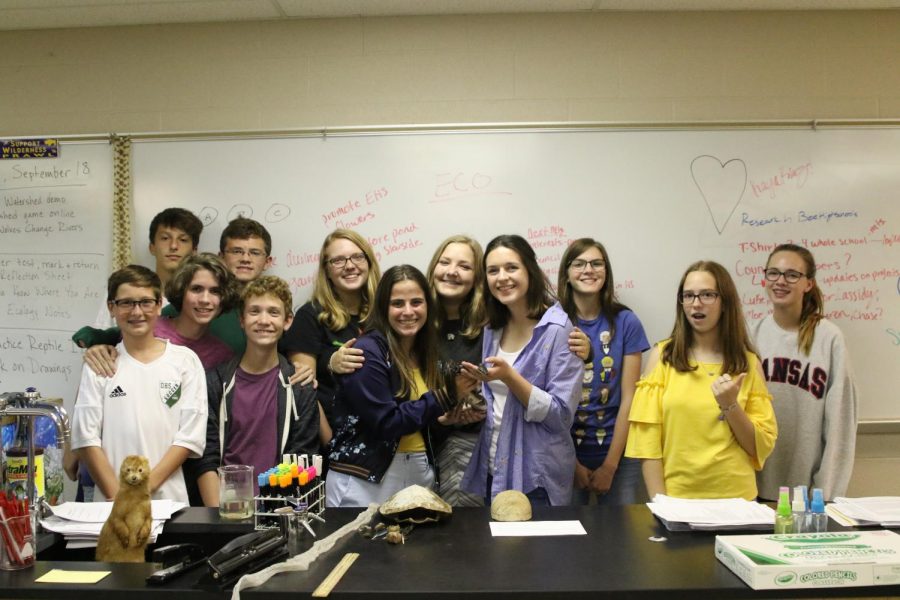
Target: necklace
701,365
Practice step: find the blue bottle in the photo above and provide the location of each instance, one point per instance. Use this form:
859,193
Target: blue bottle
818,520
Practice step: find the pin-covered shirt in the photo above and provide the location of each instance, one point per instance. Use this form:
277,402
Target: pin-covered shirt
601,387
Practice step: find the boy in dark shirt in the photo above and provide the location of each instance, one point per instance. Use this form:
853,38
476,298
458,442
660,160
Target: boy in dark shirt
255,414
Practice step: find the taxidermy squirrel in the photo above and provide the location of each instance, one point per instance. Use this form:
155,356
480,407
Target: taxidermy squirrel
125,533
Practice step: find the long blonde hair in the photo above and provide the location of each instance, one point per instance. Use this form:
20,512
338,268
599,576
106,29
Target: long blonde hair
471,312
813,309
334,314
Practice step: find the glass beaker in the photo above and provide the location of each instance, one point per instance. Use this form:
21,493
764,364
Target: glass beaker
236,491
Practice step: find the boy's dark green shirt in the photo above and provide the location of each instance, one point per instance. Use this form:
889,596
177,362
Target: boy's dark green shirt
226,327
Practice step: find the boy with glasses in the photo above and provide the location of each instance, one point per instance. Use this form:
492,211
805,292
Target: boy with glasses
154,405
174,234
245,247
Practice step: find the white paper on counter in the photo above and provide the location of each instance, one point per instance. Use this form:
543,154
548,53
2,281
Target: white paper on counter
98,512
711,514
536,528
883,511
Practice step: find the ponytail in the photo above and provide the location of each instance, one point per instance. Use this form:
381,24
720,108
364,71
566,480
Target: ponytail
810,315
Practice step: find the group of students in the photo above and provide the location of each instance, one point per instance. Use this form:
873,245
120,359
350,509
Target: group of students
473,377
203,382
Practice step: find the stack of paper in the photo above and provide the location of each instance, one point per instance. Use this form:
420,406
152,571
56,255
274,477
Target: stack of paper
80,522
680,514
879,511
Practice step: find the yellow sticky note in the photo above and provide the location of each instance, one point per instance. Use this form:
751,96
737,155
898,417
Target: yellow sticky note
63,576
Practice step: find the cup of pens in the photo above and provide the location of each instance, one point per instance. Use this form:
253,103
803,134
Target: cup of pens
16,535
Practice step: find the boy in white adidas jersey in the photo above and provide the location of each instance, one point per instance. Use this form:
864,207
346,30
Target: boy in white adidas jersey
155,404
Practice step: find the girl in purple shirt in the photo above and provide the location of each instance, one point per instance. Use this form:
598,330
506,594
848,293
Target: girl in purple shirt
531,382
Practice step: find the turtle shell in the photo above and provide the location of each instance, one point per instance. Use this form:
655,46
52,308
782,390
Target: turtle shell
415,504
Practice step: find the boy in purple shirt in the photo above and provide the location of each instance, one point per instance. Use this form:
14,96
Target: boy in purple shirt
255,414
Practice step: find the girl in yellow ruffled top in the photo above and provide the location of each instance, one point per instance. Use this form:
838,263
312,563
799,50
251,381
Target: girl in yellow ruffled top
701,419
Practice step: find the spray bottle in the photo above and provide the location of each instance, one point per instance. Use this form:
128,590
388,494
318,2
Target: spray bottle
818,520
798,510
784,521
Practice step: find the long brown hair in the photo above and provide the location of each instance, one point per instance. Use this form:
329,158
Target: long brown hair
813,309
178,285
610,306
472,314
424,346
335,315
539,297
733,335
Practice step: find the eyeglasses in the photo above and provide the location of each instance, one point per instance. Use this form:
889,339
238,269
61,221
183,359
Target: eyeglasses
706,297
597,264
127,305
339,262
253,252
791,276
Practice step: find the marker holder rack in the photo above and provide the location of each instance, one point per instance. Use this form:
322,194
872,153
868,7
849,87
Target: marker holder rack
266,517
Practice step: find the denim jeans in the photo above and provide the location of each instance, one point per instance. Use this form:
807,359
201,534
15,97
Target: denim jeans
627,487
406,469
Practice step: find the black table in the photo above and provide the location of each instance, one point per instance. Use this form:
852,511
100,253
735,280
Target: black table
457,559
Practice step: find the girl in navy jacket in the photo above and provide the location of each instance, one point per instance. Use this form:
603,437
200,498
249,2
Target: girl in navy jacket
380,442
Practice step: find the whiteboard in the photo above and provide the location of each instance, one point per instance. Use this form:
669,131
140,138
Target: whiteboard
658,200
55,232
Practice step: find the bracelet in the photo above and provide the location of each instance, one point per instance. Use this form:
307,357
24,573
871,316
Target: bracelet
724,411
329,367
590,356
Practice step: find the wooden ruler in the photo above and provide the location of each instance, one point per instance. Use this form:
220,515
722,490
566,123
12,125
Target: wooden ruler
335,576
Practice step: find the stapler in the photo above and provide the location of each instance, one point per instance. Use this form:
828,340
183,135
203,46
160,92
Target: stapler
176,559
247,554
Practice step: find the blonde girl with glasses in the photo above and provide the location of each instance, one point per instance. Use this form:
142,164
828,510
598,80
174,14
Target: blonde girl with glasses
320,341
701,420
586,291
805,362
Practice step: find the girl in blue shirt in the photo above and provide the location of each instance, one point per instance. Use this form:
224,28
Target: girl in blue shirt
587,293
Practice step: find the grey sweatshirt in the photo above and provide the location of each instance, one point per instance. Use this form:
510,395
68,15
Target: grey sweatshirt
815,405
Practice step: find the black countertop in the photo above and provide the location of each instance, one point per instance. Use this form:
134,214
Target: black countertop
458,558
